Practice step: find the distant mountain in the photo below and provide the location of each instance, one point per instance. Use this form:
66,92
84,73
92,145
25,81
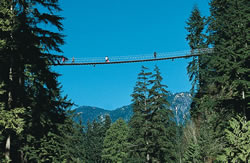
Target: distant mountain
179,104
89,113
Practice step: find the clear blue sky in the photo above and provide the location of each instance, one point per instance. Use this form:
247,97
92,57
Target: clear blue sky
98,28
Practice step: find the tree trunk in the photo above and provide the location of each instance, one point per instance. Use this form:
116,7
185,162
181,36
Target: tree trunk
244,104
7,148
10,99
148,157
10,103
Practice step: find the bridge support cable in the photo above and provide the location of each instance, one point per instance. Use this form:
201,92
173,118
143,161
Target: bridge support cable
134,58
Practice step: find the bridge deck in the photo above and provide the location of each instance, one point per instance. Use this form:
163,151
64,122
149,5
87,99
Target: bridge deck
126,61
133,59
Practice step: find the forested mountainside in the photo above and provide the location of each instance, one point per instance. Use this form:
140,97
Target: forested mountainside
179,104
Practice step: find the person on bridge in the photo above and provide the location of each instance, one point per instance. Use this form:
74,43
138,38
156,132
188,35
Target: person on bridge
155,54
106,59
73,60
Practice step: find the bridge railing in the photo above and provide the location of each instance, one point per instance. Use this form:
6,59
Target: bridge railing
137,57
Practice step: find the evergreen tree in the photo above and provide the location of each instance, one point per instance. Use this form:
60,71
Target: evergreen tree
26,52
162,128
94,137
12,121
73,138
237,141
179,142
93,142
107,124
138,124
152,127
116,142
192,150
229,68
193,154
196,41
224,77
197,67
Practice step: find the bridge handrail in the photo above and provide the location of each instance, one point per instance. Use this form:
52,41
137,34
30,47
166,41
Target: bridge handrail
142,57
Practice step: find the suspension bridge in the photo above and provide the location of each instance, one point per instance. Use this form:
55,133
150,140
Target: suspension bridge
132,59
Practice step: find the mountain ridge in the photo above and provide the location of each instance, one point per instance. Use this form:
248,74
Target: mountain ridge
179,104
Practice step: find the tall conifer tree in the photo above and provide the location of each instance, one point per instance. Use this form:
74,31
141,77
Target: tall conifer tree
229,35
29,81
116,142
138,123
224,94
11,112
152,126
229,67
94,138
162,128
197,67
196,41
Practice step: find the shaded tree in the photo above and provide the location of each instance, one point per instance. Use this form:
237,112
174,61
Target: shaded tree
223,83
237,141
115,143
94,137
138,123
196,40
228,65
26,54
152,127
162,129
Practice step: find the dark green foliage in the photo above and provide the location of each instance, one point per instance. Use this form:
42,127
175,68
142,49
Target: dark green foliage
191,148
229,35
196,40
237,141
223,79
73,138
94,137
196,25
115,144
162,130
196,68
107,123
200,144
66,146
138,123
93,142
193,154
34,121
152,129
12,122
